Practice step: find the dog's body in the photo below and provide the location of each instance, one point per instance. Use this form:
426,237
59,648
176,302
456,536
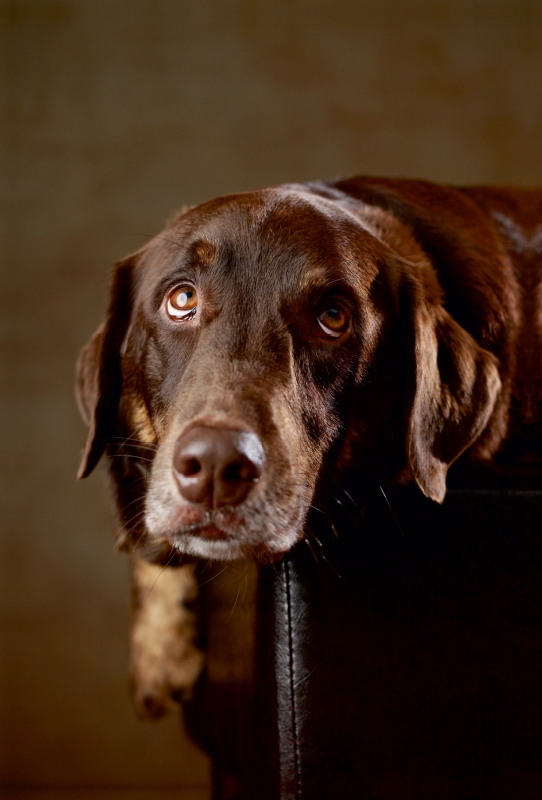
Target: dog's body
269,343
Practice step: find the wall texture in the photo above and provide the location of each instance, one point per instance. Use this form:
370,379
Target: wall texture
116,112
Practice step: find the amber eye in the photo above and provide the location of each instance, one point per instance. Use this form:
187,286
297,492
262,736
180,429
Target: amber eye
182,303
333,321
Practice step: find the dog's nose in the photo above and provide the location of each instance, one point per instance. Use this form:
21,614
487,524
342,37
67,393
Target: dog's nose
215,466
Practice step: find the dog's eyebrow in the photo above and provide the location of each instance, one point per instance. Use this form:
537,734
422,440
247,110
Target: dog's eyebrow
202,253
320,278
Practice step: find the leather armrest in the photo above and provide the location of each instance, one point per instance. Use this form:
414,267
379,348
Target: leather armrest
399,659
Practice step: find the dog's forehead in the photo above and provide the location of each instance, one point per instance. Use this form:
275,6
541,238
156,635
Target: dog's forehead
286,237
260,225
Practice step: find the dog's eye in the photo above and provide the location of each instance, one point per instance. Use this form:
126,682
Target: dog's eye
182,302
333,321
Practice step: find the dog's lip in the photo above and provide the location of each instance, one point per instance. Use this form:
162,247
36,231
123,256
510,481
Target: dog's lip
205,530
191,519
210,524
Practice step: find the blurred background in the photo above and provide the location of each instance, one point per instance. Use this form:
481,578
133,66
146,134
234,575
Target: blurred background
114,114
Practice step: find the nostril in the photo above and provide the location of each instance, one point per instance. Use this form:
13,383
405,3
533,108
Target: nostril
232,473
191,466
240,471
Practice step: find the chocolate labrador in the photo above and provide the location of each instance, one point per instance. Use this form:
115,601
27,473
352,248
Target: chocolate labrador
269,343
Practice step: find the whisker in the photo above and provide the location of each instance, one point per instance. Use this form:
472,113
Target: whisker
130,532
316,539
139,538
342,505
328,520
137,516
392,511
131,528
245,589
170,559
321,551
311,548
330,565
349,497
130,440
141,479
244,572
131,503
235,603
134,456
213,577
137,453
270,563
154,236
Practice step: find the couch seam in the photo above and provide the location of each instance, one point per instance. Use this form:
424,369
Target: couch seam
292,684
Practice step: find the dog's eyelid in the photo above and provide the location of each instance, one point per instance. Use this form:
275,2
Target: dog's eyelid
335,299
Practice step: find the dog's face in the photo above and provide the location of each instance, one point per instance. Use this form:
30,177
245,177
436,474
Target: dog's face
258,348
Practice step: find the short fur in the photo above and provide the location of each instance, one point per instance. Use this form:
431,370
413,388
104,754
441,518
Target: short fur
444,290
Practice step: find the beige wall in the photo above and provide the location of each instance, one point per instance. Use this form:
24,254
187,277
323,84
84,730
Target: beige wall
117,112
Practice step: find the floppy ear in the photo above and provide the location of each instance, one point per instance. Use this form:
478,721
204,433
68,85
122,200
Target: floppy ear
456,384
98,373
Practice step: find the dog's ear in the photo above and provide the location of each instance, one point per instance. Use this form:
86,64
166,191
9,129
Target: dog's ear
98,372
452,391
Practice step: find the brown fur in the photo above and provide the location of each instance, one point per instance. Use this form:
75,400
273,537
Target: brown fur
442,356
165,662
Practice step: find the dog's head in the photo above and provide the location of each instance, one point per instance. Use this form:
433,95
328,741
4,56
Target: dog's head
262,345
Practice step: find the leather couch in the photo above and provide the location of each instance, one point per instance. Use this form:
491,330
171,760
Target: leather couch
397,655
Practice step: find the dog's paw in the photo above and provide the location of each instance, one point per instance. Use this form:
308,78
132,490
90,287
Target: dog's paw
165,663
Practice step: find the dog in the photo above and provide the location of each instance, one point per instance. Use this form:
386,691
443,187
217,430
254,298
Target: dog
269,343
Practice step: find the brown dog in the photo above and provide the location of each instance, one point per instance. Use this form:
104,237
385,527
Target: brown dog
269,343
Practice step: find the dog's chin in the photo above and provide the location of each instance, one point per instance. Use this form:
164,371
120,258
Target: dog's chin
209,542
213,538
213,543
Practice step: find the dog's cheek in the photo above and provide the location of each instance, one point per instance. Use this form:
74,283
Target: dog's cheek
164,363
140,423
140,385
130,460
292,455
321,389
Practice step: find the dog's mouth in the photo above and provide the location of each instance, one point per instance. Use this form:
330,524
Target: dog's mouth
220,523
217,533
222,534
209,528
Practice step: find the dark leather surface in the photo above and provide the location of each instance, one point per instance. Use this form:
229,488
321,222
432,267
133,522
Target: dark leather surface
407,657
